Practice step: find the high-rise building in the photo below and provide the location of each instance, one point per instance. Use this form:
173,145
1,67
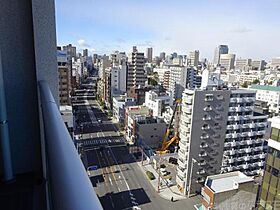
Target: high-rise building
115,82
221,49
269,194
70,50
243,64
227,61
181,78
149,54
275,62
258,65
135,72
193,58
85,52
64,73
219,133
162,56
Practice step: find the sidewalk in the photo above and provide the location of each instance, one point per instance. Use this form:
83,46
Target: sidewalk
165,191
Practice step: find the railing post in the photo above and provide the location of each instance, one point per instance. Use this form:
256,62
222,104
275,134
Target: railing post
4,132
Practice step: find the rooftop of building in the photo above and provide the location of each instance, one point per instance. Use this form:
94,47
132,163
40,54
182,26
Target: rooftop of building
123,98
227,182
265,87
147,119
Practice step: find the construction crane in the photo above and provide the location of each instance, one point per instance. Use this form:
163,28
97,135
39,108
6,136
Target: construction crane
166,143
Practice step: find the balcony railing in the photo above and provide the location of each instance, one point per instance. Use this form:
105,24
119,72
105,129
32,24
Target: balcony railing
67,180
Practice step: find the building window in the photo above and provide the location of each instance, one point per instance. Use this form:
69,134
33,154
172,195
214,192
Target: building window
274,134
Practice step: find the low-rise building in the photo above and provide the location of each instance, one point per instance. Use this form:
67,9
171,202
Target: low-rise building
119,104
144,129
269,94
157,103
230,191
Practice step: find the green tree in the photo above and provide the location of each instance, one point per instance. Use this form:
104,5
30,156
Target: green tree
256,81
245,84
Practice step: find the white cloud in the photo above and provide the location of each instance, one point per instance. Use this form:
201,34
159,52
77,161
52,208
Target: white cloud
83,44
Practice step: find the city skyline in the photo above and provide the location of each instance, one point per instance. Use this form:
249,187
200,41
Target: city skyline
104,26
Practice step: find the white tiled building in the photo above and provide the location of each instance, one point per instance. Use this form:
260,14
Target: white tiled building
157,103
269,94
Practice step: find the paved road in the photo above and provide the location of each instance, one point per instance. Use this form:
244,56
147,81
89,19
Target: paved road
119,182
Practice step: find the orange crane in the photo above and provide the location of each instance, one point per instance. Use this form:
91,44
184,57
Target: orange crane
165,144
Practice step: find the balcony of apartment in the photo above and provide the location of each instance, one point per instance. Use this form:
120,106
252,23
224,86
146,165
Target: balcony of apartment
204,145
239,100
248,99
180,180
207,109
183,145
201,172
261,164
181,172
182,153
247,158
187,109
202,163
261,132
185,119
206,118
251,133
248,150
230,152
262,156
249,142
205,127
233,100
202,154
188,100
182,162
245,166
65,170
200,180
204,137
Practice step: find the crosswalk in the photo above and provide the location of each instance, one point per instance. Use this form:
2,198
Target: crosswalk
102,141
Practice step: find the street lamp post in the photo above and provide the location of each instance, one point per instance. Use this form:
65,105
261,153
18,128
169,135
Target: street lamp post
190,179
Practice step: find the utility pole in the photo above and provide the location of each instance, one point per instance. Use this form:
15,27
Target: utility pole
159,173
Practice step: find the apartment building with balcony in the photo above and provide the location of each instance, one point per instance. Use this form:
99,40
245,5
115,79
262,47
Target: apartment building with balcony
135,69
202,132
270,189
64,75
245,144
219,130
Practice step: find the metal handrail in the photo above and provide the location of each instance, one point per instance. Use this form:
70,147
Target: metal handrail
70,186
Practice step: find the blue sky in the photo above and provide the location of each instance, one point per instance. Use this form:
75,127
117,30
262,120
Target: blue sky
251,28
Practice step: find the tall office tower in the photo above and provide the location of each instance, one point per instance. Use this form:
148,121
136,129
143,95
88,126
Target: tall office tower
162,56
70,50
221,49
193,58
149,54
181,78
64,73
227,61
243,64
269,194
85,52
135,72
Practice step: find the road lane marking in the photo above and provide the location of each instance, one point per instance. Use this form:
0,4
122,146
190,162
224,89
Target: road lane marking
110,180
